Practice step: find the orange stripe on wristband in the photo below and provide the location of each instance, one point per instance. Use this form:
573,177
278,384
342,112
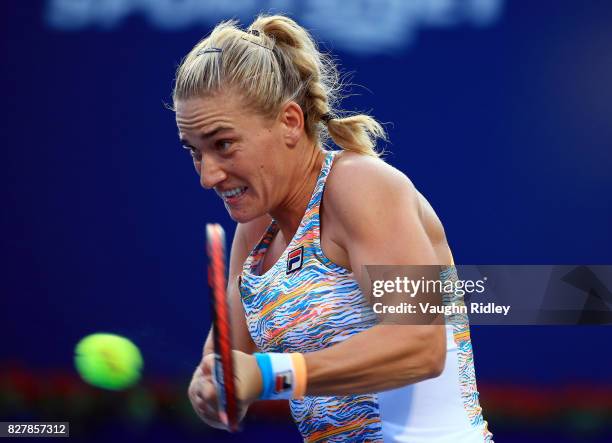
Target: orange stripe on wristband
299,370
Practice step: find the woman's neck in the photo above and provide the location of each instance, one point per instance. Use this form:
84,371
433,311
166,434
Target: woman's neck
289,214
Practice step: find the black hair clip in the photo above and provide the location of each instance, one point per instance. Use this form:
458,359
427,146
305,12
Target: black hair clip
326,117
255,32
209,51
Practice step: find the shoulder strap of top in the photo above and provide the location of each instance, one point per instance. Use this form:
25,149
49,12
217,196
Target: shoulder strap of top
310,225
317,194
309,221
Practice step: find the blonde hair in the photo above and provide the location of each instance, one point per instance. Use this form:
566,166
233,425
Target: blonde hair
273,62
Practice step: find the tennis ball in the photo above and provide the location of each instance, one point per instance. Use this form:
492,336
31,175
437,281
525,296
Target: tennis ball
108,361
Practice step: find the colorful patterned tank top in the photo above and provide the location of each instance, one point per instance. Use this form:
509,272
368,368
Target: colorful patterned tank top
305,303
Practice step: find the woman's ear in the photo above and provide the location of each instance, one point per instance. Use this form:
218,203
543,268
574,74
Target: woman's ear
292,119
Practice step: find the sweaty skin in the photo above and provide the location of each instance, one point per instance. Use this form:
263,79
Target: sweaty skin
371,214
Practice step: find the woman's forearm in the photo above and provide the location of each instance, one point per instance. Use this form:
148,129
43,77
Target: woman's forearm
381,358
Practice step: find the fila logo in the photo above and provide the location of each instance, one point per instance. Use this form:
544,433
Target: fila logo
283,382
295,259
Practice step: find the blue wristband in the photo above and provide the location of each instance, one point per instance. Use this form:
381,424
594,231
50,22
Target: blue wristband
267,375
278,375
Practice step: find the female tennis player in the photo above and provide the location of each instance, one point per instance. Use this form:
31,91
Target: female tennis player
254,107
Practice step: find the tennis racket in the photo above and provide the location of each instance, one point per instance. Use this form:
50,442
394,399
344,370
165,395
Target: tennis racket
223,372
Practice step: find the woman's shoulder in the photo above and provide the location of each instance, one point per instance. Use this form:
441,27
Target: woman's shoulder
369,202
364,179
365,192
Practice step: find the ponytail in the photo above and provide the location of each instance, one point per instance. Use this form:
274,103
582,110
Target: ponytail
357,133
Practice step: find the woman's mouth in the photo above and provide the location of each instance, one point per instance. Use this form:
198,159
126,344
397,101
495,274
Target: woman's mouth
231,196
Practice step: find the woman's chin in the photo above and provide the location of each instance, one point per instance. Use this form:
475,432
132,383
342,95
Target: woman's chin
240,216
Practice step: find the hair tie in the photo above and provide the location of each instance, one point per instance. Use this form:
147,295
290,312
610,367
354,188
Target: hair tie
325,118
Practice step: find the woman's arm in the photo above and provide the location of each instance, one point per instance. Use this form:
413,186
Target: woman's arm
378,220
381,358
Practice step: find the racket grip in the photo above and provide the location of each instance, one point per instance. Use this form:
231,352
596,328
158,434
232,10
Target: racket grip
220,386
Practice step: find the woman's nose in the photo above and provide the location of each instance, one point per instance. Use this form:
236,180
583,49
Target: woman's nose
211,173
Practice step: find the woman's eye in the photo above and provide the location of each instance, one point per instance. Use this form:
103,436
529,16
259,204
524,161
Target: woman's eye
224,145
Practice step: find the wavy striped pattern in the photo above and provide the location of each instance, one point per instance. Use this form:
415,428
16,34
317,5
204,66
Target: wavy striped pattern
467,375
307,310
322,304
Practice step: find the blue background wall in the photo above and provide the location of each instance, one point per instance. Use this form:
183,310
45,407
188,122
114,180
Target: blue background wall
506,127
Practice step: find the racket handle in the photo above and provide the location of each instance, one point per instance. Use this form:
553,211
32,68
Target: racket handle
219,385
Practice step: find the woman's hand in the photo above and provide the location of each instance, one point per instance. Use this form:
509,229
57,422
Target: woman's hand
203,392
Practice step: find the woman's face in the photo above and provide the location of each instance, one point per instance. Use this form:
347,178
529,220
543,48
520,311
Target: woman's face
236,152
